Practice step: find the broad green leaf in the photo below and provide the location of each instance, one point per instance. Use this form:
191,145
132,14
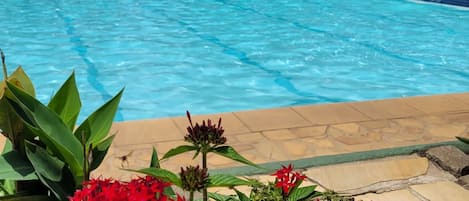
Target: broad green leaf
63,188
222,180
241,195
20,79
46,124
44,164
301,193
155,162
96,127
178,150
13,166
161,174
66,102
10,123
221,197
100,151
7,186
463,139
8,118
229,152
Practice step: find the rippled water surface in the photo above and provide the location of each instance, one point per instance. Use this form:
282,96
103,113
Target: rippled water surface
211,56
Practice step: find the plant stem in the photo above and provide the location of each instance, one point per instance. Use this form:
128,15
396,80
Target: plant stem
204,166
191,196
5,73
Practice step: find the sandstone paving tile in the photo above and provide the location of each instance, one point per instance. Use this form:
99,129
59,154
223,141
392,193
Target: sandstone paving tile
311,131
464,97
112,164
328,152
330,114
457,118
281,134
401,195
433,119
271,119
410,125
230,123
349,176
218,161
353,134
320,143
376,124
402,137
358,139
241,147
385,109
273,151
436,104
440,191
347,128
145,131
396,144
296,148
251,138
362,147
254,157
446,130
164,147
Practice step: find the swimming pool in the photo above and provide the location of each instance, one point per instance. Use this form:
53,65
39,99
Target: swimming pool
211,56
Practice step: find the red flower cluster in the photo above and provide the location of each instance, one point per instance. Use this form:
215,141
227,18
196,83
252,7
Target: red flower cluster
286,179
141,189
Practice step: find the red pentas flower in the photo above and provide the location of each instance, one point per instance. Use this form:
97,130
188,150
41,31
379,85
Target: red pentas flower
141,189
286,179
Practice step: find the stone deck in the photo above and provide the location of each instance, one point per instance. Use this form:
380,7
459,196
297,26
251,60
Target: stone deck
291,133
298,132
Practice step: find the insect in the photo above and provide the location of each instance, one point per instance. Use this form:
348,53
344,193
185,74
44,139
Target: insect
125,159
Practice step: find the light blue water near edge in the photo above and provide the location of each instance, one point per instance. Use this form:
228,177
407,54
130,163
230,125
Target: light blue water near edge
211,56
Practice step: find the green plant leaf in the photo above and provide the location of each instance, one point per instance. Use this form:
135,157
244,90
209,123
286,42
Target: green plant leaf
222,180
229,152
221,197
100,151
301,193
161,174
51,172
66,102
43,163
20,79
63,188
96,127
179,150
463,139
13,166
241,195
8,120
155,162
7,186
46,124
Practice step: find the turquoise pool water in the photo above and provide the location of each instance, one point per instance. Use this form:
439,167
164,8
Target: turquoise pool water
211,56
